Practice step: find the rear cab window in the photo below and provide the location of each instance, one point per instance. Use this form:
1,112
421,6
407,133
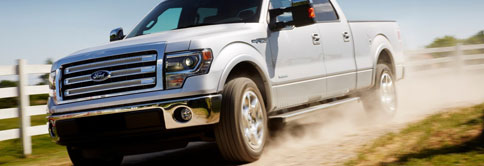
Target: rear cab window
325,11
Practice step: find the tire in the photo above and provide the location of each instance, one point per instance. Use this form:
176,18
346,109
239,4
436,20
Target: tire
79,158
239,122
381,101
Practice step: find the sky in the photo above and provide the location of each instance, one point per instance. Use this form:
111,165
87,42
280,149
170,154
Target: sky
38,30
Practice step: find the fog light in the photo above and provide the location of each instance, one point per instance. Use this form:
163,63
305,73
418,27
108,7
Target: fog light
186,114
183,114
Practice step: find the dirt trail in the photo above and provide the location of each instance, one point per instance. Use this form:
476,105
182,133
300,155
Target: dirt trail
334,137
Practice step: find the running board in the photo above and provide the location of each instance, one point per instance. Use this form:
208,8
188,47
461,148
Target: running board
298,114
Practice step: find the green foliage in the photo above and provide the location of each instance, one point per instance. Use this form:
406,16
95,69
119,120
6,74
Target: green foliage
476,39
45,77
13,123
8,103
447,41
451,138
7,84
34,100
45,152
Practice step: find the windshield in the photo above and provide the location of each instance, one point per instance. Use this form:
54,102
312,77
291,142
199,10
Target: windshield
177,14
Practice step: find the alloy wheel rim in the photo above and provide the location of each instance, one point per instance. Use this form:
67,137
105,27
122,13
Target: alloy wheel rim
388,93
252,121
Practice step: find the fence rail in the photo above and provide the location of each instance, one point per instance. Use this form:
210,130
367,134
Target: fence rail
24,110
445,59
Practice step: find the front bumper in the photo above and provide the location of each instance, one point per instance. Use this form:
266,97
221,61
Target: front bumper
205,111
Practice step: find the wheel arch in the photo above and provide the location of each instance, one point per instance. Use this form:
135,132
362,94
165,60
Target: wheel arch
249,63
383,54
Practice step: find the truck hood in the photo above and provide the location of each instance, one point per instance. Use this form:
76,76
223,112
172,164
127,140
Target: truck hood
181,38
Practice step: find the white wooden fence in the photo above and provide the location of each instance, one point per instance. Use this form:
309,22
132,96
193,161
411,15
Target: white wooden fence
444,60
24,110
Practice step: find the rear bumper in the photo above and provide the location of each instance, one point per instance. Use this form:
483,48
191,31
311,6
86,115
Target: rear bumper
139,118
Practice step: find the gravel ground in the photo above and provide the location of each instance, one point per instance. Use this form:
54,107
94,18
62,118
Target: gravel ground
334,136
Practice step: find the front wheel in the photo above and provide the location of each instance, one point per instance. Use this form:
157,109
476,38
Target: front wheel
381,100
242,131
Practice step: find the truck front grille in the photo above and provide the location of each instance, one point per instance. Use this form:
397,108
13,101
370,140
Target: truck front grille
109,75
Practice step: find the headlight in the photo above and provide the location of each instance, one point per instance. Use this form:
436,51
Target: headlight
179,66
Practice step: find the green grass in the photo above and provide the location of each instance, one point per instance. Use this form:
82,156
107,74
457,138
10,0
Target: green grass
452,138
45,152
13,123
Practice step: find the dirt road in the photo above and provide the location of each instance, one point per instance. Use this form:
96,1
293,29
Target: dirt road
334,136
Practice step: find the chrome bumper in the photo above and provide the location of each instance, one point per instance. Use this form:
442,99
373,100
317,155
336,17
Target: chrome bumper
205,110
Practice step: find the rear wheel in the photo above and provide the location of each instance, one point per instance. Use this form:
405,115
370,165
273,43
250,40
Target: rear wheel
381,101
242,131
83,157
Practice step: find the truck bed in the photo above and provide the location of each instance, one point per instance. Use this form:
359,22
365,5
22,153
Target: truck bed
365,32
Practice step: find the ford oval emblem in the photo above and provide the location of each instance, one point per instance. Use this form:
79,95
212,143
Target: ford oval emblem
101,75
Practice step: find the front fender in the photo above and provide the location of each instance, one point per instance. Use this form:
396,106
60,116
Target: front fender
236,53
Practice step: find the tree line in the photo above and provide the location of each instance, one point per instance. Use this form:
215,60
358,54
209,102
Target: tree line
449,41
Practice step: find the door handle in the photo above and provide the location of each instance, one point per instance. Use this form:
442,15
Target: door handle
346,37
316,39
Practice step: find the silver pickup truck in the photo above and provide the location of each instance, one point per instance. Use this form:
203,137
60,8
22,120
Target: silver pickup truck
219,70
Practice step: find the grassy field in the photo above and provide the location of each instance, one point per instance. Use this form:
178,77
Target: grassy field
13,123
45,152
452,138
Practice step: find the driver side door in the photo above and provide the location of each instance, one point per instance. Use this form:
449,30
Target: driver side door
297,62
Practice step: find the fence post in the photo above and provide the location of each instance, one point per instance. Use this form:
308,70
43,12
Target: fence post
23,103
458,57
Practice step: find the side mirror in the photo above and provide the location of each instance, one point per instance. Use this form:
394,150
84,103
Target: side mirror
302,14
116,34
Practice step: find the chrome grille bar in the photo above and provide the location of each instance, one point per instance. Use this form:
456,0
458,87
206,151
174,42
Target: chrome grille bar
110,63
110,86
114,74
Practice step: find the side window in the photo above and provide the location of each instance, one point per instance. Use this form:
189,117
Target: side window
169,20
324,11
203,13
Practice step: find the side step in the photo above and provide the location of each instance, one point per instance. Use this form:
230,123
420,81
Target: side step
298,114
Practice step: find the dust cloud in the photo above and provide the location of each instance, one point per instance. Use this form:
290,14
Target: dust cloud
334,136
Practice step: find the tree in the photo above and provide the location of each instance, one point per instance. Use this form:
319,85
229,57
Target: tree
45,78
7,83
476,39
8,102
447,41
